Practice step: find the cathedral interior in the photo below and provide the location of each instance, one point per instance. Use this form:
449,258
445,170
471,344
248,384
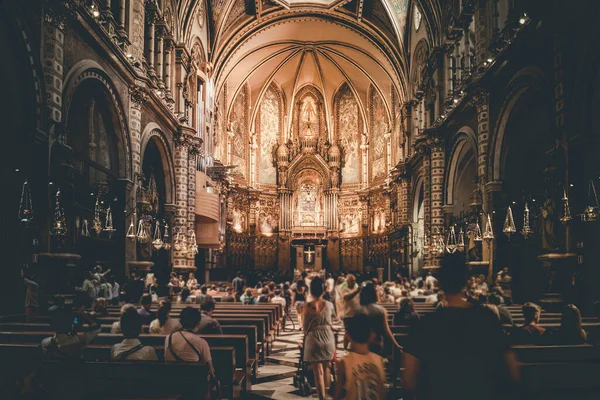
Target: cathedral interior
356,136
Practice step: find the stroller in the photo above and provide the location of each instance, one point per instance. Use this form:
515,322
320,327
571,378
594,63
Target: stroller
304,378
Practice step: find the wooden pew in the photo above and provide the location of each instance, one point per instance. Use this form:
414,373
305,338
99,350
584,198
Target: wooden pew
100,379
239,342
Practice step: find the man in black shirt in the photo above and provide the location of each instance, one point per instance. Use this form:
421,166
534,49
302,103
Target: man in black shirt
238,285
460,351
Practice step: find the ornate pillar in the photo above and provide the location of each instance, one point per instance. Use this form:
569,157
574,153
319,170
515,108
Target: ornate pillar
481,40
52,61
480,100
437,188
138,97
181,163
404,200
407,127
364,147
193,151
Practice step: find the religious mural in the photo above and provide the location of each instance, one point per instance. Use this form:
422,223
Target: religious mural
239,220
238,123
350,215
309,119
269,135
379,128
348,125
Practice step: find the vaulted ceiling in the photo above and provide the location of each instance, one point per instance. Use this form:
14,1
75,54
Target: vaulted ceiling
297,42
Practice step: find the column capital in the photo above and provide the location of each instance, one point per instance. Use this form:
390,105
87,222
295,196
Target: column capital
479,97
138,94
432,139
494,186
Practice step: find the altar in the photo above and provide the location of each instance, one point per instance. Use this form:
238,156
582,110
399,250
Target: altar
309,254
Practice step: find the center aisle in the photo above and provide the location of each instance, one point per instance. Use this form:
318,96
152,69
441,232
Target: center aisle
275,377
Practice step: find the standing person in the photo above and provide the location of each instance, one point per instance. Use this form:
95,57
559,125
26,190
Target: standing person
378,319
87,289
32,302
330,284
163,324
300,301
350,299
238,285
116,290
319,343
191,282
460,351
173,284
360,374
339,299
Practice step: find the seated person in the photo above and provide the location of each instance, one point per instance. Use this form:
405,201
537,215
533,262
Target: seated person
247,297
203,296
570,330
209,325
214,291
131,348
144,311
184,297
163,324
229,297
505,316
185,345
530,332
406,314
359,365
264,295
116,326
71,335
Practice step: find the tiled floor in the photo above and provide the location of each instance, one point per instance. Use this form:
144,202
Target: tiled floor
274,380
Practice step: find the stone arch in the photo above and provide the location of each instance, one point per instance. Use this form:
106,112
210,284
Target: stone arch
529,78
464,144
152,132
88,69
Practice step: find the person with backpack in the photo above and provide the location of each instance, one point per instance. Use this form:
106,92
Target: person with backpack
131,349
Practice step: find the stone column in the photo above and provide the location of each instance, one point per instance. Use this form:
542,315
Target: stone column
480,100
150,22
159,33
431,234
481,39
180,161
403,193
167,66
122,15
191,191
137,96
437,194
52,63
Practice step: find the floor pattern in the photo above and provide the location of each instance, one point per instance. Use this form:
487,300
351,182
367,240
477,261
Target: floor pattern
275,377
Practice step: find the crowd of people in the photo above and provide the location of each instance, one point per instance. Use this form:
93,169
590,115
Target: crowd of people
464,346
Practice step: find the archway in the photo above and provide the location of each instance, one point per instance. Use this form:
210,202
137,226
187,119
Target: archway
526,170
93,192
154,194
22,157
